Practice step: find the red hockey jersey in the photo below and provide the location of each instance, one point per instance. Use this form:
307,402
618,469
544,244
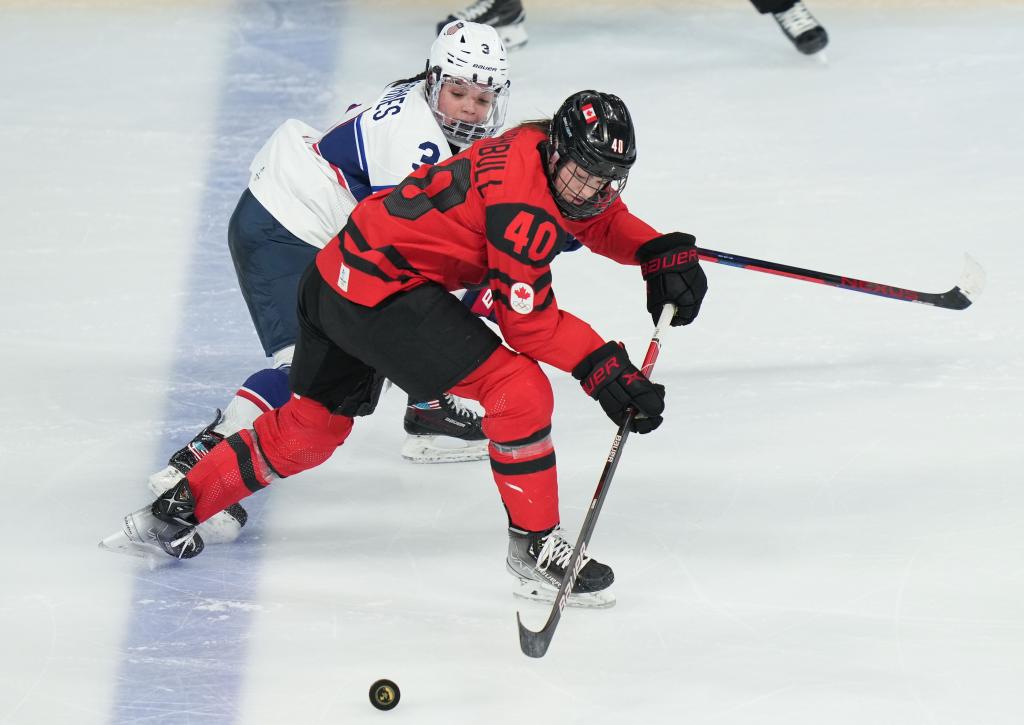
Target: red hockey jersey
485,217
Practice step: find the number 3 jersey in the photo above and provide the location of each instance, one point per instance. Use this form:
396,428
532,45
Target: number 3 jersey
485,217
310,181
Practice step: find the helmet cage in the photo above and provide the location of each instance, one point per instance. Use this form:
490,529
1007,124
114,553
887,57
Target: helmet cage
580,194
457,131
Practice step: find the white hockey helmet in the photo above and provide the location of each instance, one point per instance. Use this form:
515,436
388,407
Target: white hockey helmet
469,55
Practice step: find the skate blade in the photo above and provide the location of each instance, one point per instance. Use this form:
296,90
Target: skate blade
534,591
442,449
119,543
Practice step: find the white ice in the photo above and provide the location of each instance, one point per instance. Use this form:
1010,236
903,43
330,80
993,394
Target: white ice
828,527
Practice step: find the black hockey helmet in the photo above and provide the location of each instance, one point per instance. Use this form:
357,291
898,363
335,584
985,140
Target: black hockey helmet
595,131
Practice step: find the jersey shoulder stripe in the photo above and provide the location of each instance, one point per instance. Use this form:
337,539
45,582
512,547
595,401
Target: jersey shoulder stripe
342,147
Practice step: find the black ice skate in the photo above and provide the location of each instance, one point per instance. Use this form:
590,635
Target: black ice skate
166,527
443,431
538,561
802,28
506,16
222,527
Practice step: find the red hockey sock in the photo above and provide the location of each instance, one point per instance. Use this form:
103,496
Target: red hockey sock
298,436
517,398
527,483
232,470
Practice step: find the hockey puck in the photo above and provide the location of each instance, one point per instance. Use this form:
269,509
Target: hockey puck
384,694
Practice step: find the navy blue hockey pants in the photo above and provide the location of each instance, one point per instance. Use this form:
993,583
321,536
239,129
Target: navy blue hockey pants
269,261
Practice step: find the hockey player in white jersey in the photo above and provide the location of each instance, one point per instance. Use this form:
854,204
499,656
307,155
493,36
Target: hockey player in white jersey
303,185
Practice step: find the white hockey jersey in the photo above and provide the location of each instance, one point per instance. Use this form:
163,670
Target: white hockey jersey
310,182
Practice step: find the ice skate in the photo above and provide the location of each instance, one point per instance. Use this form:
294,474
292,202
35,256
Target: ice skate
223,527
443,431
167,527
538,562
506,16
802,29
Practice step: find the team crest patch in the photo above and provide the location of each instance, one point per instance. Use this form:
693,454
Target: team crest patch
589,114
521,298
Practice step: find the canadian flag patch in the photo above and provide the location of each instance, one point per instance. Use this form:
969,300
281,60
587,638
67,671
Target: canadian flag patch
521,298
589,114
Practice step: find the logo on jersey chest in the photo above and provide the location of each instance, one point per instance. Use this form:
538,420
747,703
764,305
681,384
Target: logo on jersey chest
521,298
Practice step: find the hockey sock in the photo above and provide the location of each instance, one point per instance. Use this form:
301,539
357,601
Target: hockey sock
262,391
517,398
527,481
232,470
300,435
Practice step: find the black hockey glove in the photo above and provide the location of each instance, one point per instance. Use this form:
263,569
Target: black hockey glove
611,379
671,268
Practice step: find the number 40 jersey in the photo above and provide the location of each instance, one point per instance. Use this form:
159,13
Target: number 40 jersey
483,218
310,181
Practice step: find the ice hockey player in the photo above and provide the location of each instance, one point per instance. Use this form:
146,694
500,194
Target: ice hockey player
303,185
376,304
508,18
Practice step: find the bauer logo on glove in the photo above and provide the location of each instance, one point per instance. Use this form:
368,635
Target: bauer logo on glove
608,377
670,264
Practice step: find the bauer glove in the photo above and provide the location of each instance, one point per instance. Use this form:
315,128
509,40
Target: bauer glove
611,379
671,268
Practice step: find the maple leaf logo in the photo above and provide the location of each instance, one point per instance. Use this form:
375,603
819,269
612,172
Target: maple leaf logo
522,293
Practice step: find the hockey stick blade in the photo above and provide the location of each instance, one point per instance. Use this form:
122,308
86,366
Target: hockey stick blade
536,643
972,280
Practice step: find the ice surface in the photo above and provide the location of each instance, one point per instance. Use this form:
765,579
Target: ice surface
826,529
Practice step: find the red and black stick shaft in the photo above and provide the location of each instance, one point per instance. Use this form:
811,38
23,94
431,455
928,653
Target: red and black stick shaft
957,298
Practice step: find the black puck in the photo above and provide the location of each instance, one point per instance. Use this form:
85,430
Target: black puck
384,694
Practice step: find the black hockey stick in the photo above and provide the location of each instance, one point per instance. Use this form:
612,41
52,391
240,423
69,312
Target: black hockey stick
535,644
972,280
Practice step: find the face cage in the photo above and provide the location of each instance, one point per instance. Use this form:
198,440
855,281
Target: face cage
606,192
463,133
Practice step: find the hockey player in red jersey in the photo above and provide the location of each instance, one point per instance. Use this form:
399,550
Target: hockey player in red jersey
376,305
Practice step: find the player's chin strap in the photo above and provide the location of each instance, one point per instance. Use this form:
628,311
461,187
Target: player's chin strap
535,644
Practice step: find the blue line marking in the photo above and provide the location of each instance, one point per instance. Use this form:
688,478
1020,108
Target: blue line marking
184,654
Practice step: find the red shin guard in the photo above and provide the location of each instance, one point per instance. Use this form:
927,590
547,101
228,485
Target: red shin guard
518,401
298,436
527,484
232,470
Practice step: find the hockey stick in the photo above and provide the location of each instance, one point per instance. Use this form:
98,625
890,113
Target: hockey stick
972,280
535,644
